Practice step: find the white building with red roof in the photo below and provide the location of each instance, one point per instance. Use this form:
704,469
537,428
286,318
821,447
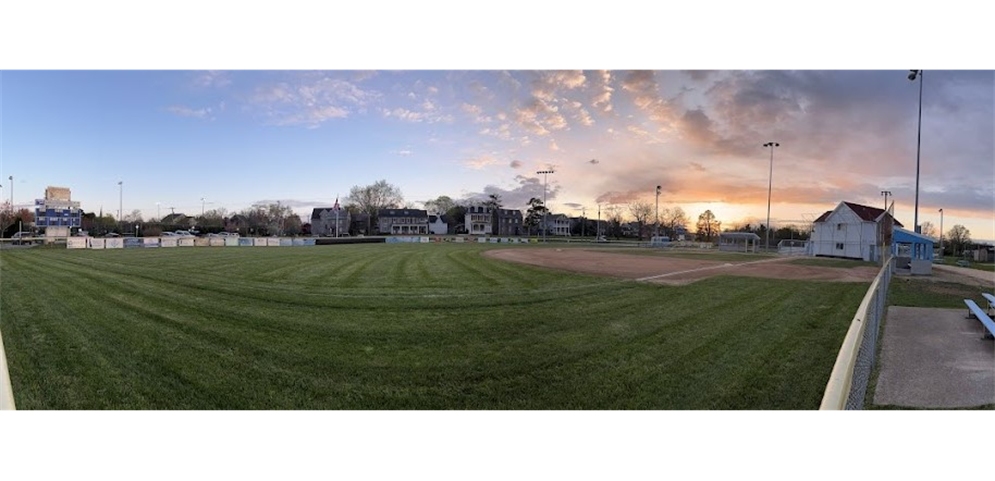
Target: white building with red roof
852,231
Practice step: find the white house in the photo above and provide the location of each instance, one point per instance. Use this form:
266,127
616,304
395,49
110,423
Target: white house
437,225
850,230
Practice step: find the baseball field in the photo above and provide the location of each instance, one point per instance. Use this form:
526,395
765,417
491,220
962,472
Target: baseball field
419,326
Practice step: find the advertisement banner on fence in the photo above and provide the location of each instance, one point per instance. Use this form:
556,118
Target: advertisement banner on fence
185,242
97,243
285,242
231,241
259,241
424,240
244,241
460,240
481,240
298,242
310,242
150,242
216,242
273,242
168,242
133,242
201,241
114,243
77,242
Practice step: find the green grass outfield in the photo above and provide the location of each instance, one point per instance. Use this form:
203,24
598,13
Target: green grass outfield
402,327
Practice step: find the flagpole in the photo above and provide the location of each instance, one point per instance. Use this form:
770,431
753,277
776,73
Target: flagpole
336,215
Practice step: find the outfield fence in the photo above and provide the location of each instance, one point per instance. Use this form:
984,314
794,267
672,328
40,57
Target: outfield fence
848,382
6,392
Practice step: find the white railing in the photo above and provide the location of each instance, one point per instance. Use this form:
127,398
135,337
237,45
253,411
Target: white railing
848,381
6,392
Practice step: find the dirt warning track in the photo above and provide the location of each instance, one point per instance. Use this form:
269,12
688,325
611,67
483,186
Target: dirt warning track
675,270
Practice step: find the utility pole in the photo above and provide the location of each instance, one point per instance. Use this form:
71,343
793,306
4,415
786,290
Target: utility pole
583,220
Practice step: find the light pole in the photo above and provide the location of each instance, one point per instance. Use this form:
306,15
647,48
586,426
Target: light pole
912,77
583,221
157,216
941,233
657,230
120,205
886,193
11,178
545,210
599,224
202,204
770,183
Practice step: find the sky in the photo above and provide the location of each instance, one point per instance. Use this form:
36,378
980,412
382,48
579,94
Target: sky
193,140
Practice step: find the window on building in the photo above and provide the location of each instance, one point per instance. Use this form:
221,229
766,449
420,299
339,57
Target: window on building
839,246
839,226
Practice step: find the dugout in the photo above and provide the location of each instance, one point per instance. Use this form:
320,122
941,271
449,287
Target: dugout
738,241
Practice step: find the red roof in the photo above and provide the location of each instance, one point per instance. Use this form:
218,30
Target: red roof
822,218
868,213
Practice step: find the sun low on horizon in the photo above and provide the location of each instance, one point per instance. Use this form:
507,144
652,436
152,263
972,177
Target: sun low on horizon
186,140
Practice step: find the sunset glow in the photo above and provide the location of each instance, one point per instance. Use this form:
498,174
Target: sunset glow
304,138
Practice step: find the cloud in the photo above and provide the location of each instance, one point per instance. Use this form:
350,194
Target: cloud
402,153
184,111
479,162
573,205
699,75
697,167
310,100
292,203
212,78
594,161
518,197
603,94
363,75
516,164
475,112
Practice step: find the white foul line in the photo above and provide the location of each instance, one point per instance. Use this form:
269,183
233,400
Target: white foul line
723,266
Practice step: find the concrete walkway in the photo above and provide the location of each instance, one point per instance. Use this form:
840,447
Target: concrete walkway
935,358
967,271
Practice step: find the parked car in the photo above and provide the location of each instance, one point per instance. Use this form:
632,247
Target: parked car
168,234
183,233
229,234
21,238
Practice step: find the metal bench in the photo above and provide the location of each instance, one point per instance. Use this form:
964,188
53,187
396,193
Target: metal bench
964,263
977,312
991,302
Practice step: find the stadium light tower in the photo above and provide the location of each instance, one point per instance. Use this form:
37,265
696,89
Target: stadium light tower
545,210
770,183
886,193
120,205
657,232
912,77
941,233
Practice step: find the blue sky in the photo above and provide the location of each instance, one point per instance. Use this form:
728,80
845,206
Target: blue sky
303,137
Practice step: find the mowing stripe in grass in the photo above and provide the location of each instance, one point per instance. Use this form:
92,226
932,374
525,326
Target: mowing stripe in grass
157,330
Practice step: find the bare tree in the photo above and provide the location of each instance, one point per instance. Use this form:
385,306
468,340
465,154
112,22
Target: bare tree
674,219
371,198
708,227
641,212
6,216
613,214
928,229
958,238
134,217
440,204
